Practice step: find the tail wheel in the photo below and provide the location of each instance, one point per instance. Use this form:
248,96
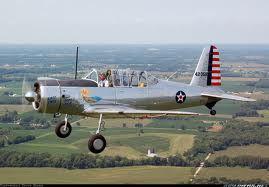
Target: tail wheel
61,131
97,143
213,112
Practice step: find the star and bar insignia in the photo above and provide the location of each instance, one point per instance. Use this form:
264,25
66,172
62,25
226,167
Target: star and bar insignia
180,97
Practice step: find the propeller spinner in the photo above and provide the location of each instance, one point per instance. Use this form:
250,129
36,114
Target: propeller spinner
30,96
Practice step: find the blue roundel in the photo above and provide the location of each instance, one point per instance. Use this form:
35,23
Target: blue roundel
180,97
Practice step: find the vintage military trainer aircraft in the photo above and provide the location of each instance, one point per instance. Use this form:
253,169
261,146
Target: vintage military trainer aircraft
129,94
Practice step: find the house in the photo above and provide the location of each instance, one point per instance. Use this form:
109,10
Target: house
151,153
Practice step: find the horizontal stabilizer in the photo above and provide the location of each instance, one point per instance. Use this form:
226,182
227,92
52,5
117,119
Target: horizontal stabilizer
227,96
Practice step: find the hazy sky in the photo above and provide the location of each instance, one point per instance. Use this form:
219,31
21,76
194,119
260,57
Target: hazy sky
134,21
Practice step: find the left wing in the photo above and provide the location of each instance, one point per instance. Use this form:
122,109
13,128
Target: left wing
112,111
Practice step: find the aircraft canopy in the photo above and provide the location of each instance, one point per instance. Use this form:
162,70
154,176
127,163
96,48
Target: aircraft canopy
123,78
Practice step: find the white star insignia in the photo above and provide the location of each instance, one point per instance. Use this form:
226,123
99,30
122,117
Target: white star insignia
180,97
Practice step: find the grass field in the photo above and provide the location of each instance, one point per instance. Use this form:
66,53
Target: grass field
178,143
124,175
120,141
178,124
235,86
252,150
265,113
14,86
19,108
92,122
234,173
254,119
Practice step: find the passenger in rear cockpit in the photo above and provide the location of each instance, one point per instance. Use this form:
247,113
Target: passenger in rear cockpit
109,78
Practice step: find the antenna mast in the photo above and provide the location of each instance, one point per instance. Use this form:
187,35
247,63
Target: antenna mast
76,64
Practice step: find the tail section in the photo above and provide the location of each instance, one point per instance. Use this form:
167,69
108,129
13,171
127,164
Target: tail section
207,72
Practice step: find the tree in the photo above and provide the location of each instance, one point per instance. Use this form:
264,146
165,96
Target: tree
21,139
2,143
138,125
201,128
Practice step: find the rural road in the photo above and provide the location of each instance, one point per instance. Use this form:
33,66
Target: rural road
200,167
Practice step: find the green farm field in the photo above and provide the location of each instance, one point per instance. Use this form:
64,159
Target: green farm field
251,150
234,173
265,117
120,141
19,108
124,175
222,107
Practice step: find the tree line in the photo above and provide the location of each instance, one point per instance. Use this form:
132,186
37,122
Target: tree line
247,113
252,162
24,121
6,100
250,109
21,139
81,160
258,105
9,117
17,140
235,133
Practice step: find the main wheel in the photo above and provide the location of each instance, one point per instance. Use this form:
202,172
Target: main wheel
97,143
61,132
213,112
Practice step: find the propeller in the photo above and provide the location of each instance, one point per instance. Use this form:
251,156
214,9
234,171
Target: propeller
27,94
26,87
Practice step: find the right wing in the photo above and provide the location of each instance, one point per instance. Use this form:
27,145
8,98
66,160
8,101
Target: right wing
227,96
115,111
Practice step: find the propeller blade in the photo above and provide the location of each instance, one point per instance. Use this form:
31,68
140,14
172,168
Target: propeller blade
26,87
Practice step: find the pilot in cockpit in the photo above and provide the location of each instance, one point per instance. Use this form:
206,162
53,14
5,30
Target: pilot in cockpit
103,82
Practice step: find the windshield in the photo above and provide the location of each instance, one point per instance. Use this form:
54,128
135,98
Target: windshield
93,75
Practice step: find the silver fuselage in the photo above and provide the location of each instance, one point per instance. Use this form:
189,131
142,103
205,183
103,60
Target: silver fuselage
69,99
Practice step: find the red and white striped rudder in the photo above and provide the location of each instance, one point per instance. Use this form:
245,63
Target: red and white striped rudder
215,72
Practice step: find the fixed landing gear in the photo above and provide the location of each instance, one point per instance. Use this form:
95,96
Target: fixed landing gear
97,143
210,107
213,112
63,129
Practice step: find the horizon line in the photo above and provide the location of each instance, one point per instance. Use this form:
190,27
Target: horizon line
128,43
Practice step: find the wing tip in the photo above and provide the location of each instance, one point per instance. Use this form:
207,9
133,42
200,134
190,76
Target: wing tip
250,100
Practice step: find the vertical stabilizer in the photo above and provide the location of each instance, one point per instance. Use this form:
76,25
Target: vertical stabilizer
207,72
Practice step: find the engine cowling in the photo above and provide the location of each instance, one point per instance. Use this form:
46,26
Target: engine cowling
59,96
48,98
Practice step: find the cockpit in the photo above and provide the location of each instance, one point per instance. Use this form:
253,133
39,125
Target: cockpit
121,78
